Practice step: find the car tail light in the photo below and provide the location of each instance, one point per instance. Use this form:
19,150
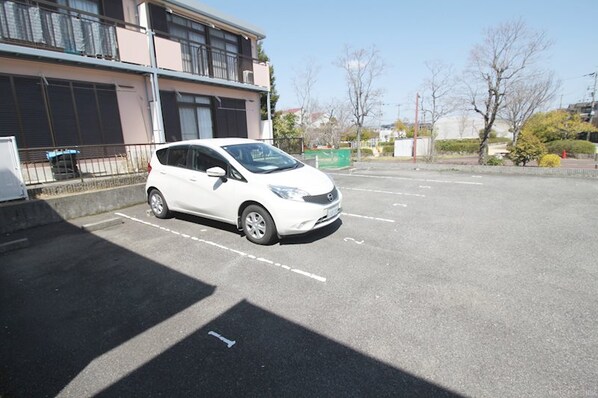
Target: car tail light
149,167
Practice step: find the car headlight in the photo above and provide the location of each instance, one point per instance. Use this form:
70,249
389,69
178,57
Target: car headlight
288,192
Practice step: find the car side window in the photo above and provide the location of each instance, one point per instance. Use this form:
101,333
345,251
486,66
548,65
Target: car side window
177,156
204,158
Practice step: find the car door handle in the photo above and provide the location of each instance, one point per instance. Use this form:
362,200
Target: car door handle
192,179
163,172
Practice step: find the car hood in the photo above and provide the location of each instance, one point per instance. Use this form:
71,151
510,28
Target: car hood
311,180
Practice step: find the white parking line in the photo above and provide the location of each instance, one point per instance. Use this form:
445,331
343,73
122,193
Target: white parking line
240,253
379,191
367,217
358,242
229,343
407,179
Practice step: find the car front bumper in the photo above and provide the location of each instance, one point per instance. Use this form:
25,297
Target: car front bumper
293,218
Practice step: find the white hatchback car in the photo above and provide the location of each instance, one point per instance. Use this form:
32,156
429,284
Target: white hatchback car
262,190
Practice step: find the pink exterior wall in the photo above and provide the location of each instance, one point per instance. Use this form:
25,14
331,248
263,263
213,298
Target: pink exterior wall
132,100
252,100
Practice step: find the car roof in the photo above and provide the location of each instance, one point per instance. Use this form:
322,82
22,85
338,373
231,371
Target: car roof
212,142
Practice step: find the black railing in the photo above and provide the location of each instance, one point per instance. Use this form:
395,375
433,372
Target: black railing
50,26
291,145
203,60
43,165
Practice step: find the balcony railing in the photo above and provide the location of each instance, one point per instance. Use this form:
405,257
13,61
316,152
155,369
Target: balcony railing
203,60
83,162
54,27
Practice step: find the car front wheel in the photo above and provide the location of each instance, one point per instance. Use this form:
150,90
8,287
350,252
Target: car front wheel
258,225
158,204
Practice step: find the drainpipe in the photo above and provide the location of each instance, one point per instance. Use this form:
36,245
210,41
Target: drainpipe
155,104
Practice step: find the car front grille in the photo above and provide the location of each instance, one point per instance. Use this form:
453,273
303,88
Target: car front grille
322,199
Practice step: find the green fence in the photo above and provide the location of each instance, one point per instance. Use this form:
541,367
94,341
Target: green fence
329,158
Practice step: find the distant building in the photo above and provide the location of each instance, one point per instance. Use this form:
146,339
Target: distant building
467,126
314,119
450,128
584,109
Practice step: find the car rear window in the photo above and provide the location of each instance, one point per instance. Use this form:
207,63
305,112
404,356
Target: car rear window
162,155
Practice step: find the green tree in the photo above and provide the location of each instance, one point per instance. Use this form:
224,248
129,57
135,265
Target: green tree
366,134
556,125
262,57
400,126
528,148
284,126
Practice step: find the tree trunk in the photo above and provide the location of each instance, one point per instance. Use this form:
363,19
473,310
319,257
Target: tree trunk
483,146
359,143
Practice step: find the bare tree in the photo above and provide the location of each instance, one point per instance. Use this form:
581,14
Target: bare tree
437,96
304,83
362,67
526,97
495,66
337,116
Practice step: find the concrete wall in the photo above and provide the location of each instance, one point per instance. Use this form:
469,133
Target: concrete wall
15,216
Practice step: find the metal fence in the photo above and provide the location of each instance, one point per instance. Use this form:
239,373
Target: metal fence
292,146
84,162
329,158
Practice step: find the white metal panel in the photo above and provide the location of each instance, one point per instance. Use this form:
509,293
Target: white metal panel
11,180
404,147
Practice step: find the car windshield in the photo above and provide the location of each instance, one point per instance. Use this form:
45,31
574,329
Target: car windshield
261,158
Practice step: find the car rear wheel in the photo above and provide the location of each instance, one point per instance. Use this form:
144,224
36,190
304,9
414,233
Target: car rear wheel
158,204
258,225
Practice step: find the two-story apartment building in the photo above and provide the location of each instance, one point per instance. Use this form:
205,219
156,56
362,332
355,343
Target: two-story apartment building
99,72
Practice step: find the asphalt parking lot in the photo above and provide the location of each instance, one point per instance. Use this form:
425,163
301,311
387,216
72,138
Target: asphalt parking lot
431,284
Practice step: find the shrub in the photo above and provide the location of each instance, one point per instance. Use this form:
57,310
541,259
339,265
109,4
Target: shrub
572,147
550,160
388,150
495,161
459,146
467,145
528,148
364,152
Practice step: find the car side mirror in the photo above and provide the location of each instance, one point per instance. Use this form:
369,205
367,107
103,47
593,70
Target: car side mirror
216,172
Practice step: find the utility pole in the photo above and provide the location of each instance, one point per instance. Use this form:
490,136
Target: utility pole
593,104
415,128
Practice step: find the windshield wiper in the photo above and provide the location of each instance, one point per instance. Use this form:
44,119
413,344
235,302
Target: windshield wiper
294,166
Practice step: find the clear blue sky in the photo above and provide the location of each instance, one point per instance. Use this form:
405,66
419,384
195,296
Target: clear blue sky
408,33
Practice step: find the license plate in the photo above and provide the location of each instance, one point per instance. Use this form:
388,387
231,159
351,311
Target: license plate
333,212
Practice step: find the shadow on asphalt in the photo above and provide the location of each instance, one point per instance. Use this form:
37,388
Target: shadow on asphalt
310,237
71,297
274,357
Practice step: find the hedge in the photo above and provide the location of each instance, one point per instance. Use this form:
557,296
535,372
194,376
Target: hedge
467,145
364,152
388,150
572,147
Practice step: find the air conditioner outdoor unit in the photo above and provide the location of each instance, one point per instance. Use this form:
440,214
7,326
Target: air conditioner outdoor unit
248,76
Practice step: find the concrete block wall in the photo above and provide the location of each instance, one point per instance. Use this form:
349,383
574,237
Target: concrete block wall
19,215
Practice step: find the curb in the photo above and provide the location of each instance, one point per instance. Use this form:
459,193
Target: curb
500,170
